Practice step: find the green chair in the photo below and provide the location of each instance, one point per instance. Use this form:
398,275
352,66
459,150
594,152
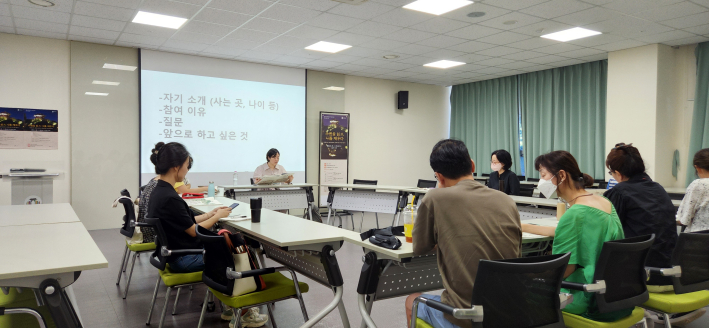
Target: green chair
690,278
219,276
18,308
520,293
128,229
171,279
619,283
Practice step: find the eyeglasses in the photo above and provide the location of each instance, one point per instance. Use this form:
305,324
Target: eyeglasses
610,172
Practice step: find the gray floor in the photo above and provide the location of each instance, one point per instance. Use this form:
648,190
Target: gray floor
101,305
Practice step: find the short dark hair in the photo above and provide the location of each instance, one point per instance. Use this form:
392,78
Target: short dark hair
166,156
563,160
701,159
625,159
271,153
503,157
450,158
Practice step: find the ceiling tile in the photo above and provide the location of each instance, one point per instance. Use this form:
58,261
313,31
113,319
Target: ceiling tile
215,55
442,41
90,39
444,54
568,62
44,34
402,17
472,58
688,21
694,39
251,35
276,49
6,21
702,30
416,60
335,22
596,57
195,37
102,11
311,32
524,55
348,38
472,46
310,4
340,58
291,42
439,25
40,14
321,63
248,7
224,50
462,13
293,60
667,36
626,44
398,66
371,62
598,2
312,55
361,52
206,28
541,28
143,39
135,45
263,56
352,67
498,51
269,25
200,3
558,48
631,6
556,8
377,70
374,29
628,26
473,32
537,68
495,62
409,35
130,4
171,8
504,38
680,9
704,3
515,4
143,29
491,70
383,44
59,5
518,65
397,74
95,22
367,10
597,40
414,49
548,59
5,10
216,16
585,52
93,32
22,23
237,43
290,13
179,51
520,20
589,16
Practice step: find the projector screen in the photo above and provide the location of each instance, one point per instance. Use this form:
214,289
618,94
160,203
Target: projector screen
228,114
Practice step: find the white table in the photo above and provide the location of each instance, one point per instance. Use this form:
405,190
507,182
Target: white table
284,197
14,215
45,254
681,191
299,244
367,198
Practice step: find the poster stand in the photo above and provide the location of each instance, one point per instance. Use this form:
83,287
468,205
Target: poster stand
334,151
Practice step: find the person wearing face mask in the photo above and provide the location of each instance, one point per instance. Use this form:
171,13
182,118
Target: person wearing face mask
594,215
644,208
502,178
694,210
271,166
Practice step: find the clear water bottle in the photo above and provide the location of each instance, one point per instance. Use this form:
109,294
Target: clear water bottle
210,191
236,179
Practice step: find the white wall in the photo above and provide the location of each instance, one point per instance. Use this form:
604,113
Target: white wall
34,73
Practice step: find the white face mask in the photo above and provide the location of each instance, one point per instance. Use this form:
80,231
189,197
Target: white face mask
496,167
547,188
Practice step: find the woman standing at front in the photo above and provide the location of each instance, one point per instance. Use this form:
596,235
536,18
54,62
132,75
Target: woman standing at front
271,166
502,178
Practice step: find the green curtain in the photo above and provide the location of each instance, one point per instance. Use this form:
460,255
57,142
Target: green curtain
484,116
565,109
700,120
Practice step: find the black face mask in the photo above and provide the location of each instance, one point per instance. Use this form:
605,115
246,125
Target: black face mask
384,237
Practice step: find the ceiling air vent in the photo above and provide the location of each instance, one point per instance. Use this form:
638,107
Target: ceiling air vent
352,2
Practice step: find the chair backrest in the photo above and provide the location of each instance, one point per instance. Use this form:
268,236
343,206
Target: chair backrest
364,182
217,258
521,177
692,255
526,191
603,185
157,259
622,266
486,174
532,179
127,229
426,183
521,292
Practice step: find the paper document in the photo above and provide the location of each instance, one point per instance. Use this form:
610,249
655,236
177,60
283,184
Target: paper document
271,179
202,201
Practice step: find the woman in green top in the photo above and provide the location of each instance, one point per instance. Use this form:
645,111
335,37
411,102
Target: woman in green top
587,224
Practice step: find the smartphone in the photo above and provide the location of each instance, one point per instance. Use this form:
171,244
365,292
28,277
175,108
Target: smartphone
233,206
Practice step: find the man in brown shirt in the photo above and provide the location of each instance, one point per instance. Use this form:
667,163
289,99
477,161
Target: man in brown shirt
466,222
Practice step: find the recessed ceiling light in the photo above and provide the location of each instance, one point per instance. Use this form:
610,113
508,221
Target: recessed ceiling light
159,20
476,14
96,94
437,7
334,88
571,34
105,82
42,3
327,47
444,64
120,67
391,56
510,22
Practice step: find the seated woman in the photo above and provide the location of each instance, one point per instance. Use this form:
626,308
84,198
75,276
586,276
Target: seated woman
694,210
184,186
594,215
171,164
644,208
502,178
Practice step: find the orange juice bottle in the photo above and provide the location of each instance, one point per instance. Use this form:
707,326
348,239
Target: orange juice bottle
409,214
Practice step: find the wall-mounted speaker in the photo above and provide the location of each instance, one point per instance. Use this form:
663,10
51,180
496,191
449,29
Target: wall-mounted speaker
403,100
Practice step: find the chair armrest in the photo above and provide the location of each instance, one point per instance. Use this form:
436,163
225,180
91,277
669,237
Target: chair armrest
139,224
675,271
166,252
231,274
565,299
475,313
599,287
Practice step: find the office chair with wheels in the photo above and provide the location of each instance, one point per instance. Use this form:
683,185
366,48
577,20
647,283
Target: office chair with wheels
219,276
520,293
424,184
128,229
690,278
619,283
171,279
376,215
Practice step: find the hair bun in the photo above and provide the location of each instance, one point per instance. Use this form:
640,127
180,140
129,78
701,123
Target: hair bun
155,151
587,180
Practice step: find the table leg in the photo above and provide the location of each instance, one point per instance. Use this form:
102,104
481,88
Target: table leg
365,308
366,289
